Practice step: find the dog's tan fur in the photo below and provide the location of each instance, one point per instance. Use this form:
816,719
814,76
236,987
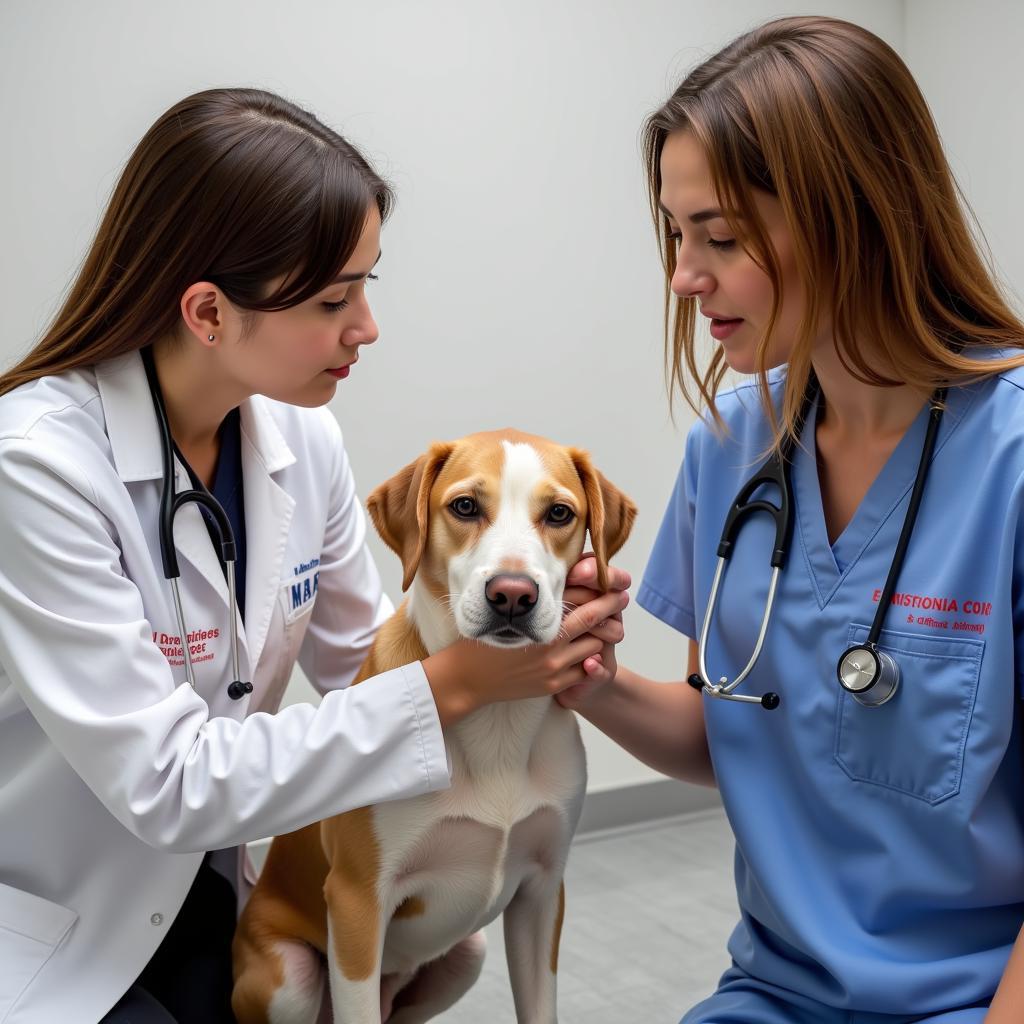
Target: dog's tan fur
322,886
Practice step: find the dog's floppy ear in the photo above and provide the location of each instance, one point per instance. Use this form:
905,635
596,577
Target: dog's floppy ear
610,513
399,508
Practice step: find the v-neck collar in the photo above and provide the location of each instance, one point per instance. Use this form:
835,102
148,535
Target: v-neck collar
886,493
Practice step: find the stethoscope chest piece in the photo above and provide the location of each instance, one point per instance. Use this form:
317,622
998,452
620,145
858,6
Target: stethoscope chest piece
868,674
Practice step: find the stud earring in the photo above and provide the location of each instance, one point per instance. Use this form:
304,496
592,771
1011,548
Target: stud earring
210,338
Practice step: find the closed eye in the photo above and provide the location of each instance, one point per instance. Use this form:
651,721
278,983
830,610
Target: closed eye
715,243
337,307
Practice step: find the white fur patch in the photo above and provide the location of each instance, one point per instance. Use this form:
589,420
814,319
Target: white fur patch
297,1001
512,538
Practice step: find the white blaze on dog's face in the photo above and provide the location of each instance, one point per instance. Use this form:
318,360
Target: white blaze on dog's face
507,521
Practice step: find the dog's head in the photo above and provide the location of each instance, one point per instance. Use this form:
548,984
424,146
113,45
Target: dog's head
490,525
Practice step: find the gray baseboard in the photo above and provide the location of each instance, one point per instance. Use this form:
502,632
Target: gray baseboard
621,807
642,803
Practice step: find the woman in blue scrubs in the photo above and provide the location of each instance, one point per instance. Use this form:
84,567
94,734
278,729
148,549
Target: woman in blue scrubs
806,208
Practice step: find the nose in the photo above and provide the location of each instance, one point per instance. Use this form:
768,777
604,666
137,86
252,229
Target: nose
690,279
364,331
511,594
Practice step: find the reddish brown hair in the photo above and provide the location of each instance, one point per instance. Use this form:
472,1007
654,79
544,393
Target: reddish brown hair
825,116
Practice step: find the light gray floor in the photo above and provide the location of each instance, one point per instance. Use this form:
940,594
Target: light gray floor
648,911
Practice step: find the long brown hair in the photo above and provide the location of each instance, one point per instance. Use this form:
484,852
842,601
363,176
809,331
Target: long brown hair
826,117
233,186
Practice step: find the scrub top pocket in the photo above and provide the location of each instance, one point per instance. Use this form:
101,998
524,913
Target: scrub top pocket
914,744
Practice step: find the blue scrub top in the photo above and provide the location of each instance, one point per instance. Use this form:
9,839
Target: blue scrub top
879,852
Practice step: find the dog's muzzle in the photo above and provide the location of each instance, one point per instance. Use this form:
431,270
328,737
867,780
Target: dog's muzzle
511,600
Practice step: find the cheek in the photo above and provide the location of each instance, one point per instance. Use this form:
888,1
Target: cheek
564,548
566,545
286,346
752,291
445,558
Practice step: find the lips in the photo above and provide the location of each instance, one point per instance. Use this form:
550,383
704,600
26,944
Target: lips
721,329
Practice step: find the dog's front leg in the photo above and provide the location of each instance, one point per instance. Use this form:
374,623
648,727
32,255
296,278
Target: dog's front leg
533,927
355,942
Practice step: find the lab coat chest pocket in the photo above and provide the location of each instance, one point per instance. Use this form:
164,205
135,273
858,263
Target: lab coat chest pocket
31,928
915,743
295,600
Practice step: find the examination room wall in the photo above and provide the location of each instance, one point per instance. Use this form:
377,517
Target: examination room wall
520,282
967,59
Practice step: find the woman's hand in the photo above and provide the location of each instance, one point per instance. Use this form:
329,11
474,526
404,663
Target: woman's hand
469,674
599,668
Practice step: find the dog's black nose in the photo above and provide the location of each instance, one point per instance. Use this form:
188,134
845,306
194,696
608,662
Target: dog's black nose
511,595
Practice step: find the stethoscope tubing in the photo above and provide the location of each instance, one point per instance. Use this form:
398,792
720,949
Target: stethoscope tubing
723,688
170,503
775,470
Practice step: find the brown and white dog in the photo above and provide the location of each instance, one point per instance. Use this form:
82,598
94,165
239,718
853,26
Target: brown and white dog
394,896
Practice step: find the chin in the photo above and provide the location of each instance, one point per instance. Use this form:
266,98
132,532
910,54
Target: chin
745,361
312,396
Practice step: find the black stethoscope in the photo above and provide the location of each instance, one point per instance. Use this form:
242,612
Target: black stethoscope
170,503
868,674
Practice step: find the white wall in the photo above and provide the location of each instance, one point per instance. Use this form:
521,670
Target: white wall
967,59
520,283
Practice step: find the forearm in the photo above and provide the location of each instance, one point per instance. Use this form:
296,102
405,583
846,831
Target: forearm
661,724
1009,997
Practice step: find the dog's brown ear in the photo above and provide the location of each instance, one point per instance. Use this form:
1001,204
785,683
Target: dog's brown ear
399,508
610,513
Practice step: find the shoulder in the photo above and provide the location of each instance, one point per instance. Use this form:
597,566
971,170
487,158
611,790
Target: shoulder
1011,388
746,430
54,403
996,403
56,423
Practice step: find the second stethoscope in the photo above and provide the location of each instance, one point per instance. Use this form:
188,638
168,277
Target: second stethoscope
869,674
170,503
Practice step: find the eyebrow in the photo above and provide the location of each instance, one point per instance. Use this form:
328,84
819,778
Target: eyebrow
356,276
699,217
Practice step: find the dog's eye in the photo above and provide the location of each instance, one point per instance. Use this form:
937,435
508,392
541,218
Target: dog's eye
559,515
465,508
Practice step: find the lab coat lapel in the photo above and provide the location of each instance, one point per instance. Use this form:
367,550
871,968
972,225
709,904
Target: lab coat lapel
135,444
268,516
134,435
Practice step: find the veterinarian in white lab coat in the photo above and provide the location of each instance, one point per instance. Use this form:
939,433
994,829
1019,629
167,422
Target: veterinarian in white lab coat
235,254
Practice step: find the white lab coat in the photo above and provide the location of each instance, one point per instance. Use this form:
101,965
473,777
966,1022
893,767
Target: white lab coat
115,775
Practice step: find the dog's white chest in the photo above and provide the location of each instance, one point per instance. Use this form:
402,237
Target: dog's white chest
456,858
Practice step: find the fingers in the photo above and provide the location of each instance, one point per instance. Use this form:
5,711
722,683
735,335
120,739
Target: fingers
596,671
611,631
573,597
599,670
572,696
585,618
584,573
571,655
